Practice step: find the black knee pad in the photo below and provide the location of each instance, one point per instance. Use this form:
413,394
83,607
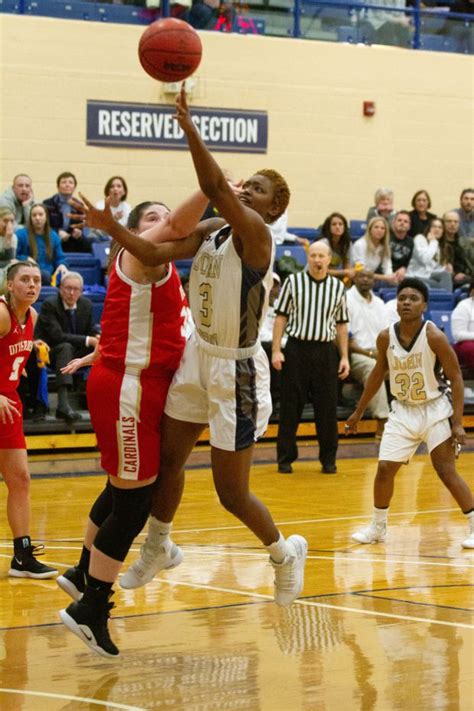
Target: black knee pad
130,511
102,506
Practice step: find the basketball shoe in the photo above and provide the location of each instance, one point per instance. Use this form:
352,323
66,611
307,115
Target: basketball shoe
25,565
155,555
289,574
373,533
73,581
88,618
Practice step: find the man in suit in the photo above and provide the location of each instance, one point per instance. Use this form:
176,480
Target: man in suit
66,324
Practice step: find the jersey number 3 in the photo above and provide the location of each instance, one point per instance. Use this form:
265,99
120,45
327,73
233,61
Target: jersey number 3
411,387
205,292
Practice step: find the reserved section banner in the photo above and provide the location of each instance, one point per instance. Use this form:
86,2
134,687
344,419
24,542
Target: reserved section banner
153,126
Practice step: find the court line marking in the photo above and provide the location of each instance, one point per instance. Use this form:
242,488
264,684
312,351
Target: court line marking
83,699
309,603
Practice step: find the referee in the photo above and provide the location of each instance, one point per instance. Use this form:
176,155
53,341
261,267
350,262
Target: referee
312,309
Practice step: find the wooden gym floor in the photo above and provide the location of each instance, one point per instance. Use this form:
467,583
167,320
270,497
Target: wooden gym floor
378,628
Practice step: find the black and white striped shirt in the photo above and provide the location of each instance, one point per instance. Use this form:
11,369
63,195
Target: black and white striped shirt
313,307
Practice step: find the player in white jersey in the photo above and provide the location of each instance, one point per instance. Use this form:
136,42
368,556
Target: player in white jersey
223,379
414,352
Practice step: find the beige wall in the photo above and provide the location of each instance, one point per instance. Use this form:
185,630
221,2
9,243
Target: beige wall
333,157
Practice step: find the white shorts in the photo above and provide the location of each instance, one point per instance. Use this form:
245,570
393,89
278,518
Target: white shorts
232,396
409,425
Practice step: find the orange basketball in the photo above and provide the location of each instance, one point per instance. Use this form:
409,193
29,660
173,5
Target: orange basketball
170,49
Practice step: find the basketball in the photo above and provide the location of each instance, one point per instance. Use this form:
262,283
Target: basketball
170,50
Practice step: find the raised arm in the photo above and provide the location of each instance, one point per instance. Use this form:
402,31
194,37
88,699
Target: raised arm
248,226
439,344
374,381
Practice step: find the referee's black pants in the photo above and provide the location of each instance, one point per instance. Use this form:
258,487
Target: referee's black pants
309,373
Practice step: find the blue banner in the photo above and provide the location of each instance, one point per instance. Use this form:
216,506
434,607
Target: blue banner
125,125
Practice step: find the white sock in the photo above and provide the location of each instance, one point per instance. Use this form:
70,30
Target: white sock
158,530
278,550
380,516
470,519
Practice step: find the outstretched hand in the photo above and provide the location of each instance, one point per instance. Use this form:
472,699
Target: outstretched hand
182,114
91,216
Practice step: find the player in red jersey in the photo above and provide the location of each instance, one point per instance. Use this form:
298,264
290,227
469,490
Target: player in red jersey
139,350
17,321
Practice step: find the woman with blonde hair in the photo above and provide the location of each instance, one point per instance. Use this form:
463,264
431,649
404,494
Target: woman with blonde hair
39,242
372,251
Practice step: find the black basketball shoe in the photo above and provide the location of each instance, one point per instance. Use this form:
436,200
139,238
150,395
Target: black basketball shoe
25,565
88,621
73,581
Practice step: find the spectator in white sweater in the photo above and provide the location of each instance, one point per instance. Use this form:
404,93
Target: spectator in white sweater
373,251
426,262
462,327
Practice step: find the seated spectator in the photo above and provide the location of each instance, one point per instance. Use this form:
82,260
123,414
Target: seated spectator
367,317
383,207
19,198
401,244
66,324
40,243
280,234
203,14
116,189
420,218
427,261
373,251
73,238
387,26
466,211
462,327
456,251
335,233
8,239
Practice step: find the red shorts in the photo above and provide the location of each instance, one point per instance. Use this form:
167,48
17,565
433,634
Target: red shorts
126,413
11,433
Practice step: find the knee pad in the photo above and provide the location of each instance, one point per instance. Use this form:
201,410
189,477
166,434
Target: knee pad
130,511
102,506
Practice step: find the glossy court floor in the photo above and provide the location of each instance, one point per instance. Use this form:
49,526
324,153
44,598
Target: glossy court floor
379,627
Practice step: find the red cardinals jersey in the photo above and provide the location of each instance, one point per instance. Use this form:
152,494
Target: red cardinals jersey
143,324
15,349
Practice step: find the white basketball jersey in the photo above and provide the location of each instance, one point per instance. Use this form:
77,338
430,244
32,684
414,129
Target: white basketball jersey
414,375
228,299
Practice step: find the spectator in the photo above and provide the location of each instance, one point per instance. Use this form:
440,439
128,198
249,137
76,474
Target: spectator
426,262
73,238
335,233
116,189
42,244
66,324
401,244
373,251
383,207
367,317
8,239
203,14
466,213
19,198
312,310
420,218
280,234
387,26
462,327
458,261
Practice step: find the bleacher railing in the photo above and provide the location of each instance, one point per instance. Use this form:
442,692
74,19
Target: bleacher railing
354,22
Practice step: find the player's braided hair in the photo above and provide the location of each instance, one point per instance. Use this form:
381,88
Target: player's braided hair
280,188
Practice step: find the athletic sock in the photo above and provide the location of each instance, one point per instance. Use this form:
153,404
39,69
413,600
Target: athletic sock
159,531
380,516
278,550
21,544
98,585
470,518
84,560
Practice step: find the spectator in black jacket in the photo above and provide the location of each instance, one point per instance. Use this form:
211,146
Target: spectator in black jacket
454,249
66,324
73,238
420,216
401,244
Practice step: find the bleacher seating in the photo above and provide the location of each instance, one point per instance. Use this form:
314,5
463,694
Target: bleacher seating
357,228
61,9
87,265
101,251
310,233
443,320
291,250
